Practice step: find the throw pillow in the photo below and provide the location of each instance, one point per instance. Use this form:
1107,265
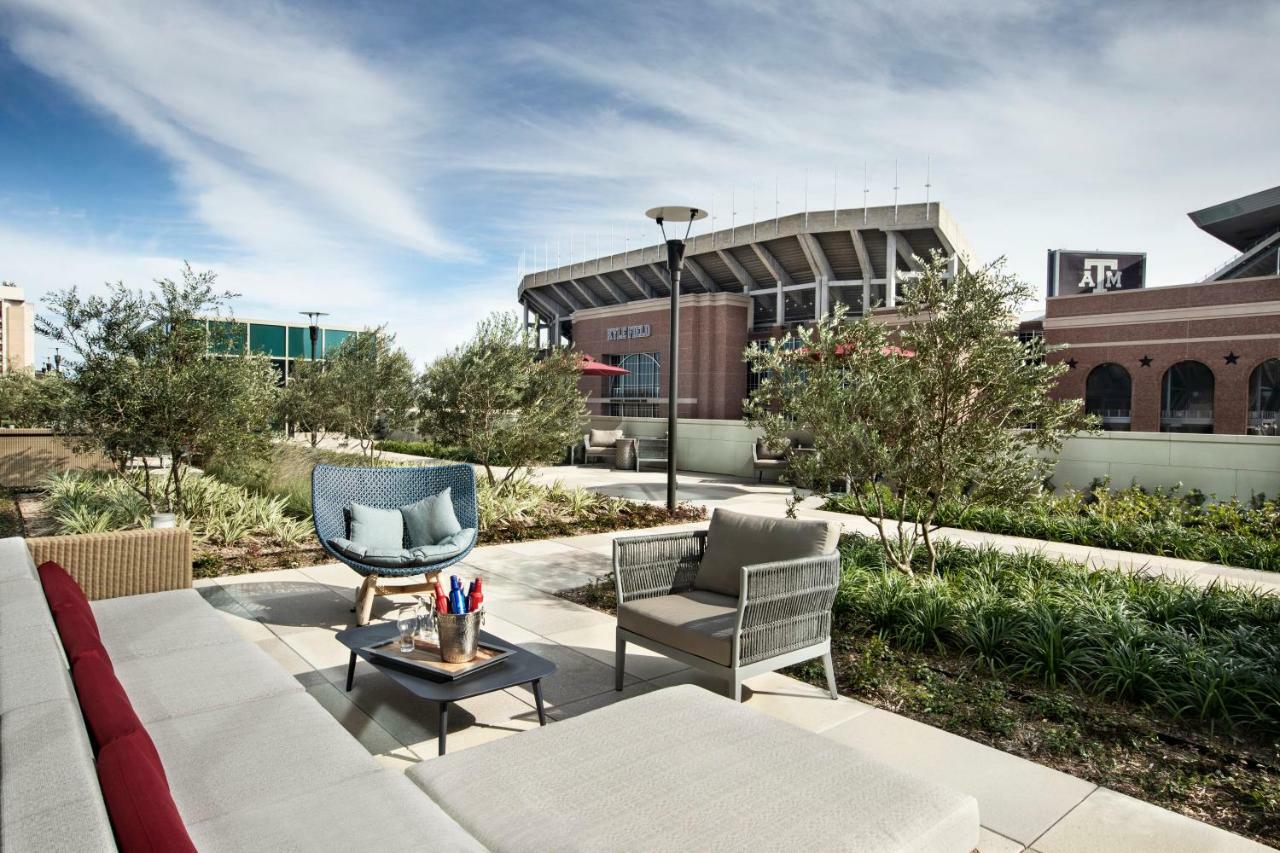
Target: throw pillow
108,713
735,539
431,520
376,527
79,635
61,590
139,804
604,437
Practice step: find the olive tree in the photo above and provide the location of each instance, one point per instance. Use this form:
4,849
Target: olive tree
943,403
148,379
371,384
501,399
31,400
309,400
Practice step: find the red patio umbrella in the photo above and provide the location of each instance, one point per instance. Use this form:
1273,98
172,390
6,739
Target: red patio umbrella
588,366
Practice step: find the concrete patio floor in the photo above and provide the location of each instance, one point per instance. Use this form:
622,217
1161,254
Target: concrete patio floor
293,614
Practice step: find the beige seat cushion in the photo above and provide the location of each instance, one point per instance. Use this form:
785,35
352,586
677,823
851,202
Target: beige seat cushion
698,622
736,539
681,769
600,439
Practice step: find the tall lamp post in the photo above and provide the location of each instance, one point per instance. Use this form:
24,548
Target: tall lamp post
675,264
313,318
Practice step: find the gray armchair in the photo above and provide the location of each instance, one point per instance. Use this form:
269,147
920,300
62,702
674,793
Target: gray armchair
750,595
600,444
765,458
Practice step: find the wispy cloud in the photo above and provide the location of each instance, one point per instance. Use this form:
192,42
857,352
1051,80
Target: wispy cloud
283,138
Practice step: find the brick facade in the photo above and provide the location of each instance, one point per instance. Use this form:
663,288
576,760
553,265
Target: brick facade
714,330
1229,326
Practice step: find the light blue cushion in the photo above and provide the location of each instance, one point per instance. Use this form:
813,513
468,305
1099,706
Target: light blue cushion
431,520
374,527
399,558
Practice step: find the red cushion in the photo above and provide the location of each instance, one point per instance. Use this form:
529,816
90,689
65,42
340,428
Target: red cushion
107,711
139,804
79,634
60,589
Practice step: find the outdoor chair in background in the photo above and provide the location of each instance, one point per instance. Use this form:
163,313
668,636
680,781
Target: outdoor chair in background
749,595
600,444
777,458
334,491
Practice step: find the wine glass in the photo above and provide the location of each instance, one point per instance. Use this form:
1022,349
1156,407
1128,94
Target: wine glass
426,621
407,625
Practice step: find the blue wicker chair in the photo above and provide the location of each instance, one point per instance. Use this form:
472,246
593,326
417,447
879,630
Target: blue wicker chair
334,489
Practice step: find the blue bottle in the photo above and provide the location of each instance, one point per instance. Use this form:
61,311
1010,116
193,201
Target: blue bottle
457,598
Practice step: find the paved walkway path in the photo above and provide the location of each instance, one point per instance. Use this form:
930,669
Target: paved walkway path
744,495
294,613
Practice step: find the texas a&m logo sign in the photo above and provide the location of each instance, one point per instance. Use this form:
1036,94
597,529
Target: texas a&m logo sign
1073,272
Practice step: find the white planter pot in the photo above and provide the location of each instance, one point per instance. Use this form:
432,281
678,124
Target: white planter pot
163,519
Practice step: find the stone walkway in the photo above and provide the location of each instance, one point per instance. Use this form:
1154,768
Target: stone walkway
293,614
712,490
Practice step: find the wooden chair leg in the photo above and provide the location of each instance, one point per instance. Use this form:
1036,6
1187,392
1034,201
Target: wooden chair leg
364,600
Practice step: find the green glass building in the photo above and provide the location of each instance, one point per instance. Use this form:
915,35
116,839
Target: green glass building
284,343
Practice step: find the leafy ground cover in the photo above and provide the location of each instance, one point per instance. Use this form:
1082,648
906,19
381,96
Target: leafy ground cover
260,519
1164,522
1157,689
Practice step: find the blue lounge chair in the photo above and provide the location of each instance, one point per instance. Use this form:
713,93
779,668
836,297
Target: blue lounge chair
334,489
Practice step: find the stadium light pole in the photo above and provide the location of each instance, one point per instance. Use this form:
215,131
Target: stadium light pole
313,328
675,264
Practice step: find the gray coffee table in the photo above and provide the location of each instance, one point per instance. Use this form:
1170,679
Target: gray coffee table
521,667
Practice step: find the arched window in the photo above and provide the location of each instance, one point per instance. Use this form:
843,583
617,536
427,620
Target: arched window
1186,401
1107,394
1264,398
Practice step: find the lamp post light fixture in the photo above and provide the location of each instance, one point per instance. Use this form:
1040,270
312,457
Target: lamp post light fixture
675,264
313,328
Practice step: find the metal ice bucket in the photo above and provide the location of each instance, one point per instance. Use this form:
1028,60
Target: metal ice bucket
459,635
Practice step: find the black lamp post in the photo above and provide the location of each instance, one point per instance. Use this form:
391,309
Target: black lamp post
57,361
675,264
313,318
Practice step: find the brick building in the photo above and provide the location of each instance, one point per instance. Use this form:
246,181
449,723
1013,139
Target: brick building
1202,357
740,284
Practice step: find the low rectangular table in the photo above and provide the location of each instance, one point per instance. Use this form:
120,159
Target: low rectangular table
521,667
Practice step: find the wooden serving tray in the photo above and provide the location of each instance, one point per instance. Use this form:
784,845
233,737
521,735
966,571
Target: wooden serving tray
425,659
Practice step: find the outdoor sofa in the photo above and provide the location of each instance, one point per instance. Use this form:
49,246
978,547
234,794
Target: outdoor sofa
228,751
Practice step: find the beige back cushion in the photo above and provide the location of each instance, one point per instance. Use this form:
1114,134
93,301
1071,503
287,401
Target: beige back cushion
604,437
735,539
763,451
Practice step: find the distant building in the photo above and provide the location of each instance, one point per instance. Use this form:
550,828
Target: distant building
1202,357
17,329
285,342
740,284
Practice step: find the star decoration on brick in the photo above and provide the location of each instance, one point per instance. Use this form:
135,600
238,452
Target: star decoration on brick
1145,361
1231,357
1071,363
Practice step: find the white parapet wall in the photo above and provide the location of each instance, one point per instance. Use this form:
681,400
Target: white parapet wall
1220,465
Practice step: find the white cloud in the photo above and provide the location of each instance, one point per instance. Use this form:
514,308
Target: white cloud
282,138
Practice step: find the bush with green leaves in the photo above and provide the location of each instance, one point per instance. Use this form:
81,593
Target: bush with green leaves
1210,654
1165,522
218,513
429,449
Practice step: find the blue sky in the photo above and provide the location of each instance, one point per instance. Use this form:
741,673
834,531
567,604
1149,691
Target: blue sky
390,162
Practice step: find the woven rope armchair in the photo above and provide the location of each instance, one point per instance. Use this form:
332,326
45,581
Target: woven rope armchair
781,616
335,488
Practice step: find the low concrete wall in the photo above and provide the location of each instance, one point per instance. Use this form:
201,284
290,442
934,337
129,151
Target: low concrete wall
1222,465
27,456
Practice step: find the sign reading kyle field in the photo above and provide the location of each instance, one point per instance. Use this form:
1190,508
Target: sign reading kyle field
622,333
1072,272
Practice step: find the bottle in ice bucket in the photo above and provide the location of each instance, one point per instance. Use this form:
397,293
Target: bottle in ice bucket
442,603
457,598
476,597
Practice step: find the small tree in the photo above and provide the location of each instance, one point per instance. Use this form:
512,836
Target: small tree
502,400
946,404
310,400
373,385
28,400
144,382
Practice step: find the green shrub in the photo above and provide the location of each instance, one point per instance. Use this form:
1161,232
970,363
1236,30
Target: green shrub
1161,522
426,448
1210,654
217,513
